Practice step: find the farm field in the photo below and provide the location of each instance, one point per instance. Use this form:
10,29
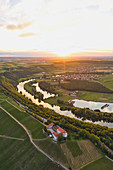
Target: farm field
102,163
9,127
87,153
99,97
108,81
34,126
84,85
75,153
53,149
19,154
74,148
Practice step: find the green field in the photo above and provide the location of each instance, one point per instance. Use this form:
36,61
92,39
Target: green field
33,125
92,96
103,163
73,147
28,88
107,81
84,152
9,127
53,149
84,85
53,100
15,154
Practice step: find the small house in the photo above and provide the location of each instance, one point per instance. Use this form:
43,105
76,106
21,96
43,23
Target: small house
56,131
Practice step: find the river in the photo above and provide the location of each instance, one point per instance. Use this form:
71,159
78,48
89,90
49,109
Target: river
78,103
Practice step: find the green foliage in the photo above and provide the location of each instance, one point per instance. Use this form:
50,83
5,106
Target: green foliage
46,86
64,102
92,115
32,90
61,138
45,129
84,85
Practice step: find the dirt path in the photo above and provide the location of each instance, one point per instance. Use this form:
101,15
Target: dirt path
9,137
26,112
41,139
31,140
13,105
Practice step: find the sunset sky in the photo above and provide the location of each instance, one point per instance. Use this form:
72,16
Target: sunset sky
56,27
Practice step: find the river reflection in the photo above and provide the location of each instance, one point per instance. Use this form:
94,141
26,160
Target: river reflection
78,103
93,105
46,94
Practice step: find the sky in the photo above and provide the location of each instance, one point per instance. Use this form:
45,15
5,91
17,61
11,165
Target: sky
56,28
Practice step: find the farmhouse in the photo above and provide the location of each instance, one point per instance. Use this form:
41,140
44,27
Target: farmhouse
56,131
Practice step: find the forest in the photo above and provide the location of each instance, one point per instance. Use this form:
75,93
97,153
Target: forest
46,86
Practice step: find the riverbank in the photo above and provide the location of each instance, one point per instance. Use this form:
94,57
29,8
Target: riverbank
63,111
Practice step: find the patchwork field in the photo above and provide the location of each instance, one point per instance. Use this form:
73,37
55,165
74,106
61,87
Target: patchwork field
86,153
73,153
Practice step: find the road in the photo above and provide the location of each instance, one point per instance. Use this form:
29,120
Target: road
31,140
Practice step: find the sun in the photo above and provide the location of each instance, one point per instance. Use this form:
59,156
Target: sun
62,52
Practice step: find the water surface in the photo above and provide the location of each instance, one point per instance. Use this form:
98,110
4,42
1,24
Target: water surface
78,103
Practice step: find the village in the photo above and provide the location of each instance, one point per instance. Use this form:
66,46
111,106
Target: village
76,76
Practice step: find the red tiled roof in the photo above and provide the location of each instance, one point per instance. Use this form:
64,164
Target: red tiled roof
51,124
61,130
56,134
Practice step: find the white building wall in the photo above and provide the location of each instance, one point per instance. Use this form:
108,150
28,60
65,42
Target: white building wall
64,135
54,137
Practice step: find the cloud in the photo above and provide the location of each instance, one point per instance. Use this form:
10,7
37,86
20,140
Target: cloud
27,34
19,26
14,2
93,7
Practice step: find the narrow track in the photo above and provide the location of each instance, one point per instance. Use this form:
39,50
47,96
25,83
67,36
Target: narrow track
9,137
